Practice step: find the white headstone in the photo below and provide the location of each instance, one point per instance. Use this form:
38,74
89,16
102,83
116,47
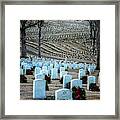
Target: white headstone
39,89
45,72
37,70
74,66
49,70
56,65
81,65
91,79
51,65
44,68
62,69
63,94
70,66
63,73
24,71
28,66
65,65
21,71
54,73
81,73
76,83
39,76
66,79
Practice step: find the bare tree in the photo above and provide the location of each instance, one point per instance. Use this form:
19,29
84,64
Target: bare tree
24,24
95,36
40,24
23,39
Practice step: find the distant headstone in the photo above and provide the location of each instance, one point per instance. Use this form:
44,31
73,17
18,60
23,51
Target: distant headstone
74,66
81,73
91,68
54,73
24,71
91,79
51,65
63,94
28,66
66,79
63,73
21,71
37,70
49,70
44,68
39,89
39,76
70,66
81,65
66,60
38,64
76,83
62,69
85,66
45,72
65,65
56,65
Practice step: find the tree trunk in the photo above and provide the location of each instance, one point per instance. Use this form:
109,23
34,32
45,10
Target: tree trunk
23,43
39,50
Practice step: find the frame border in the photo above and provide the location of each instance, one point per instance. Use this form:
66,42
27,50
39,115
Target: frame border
53,2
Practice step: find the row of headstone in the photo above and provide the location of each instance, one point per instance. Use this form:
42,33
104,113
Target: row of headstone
43,68
66,94
27,64
39,91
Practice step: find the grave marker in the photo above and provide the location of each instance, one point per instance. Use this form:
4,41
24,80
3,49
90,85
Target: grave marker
91,79
63,73
21,71
37,70
62,69
76,83
63,94
39,76
54,73
81,73
66,79
44,68
39,89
